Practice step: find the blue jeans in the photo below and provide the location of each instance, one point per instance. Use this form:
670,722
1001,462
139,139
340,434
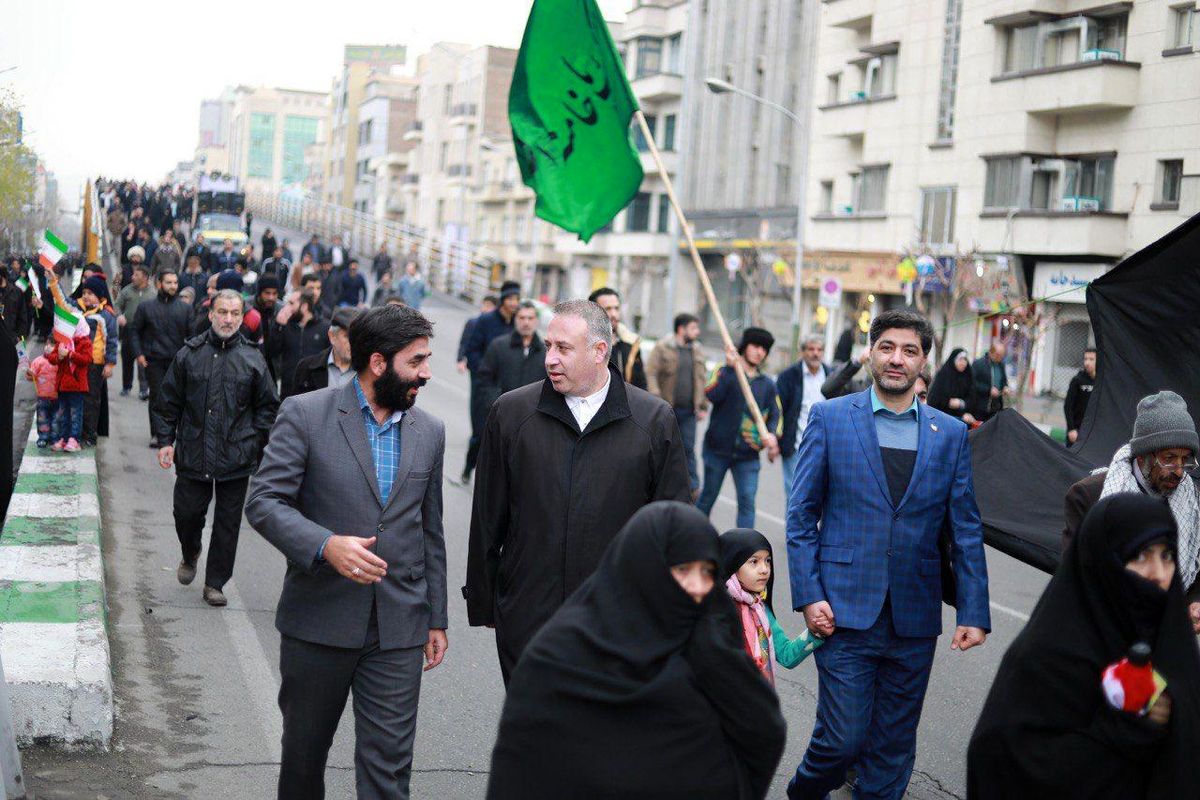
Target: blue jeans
789,469
47,420
71,414
870,691
745,482
686,418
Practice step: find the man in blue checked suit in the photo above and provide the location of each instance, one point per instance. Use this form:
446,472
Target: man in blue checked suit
878,477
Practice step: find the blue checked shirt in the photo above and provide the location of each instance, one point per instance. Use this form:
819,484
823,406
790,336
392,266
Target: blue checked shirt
385,443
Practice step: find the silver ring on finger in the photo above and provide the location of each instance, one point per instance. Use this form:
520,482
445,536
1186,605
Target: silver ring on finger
356,572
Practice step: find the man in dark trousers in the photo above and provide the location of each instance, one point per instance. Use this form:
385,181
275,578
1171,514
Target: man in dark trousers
158,331
991,381
487,328
627,345
217,403
1079,393
563,466
486,306
331,366
516,360
799,390
350,491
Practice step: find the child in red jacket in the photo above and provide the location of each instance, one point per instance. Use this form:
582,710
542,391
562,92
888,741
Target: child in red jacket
73,361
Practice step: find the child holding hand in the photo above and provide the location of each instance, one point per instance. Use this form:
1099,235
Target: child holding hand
44,376
746,560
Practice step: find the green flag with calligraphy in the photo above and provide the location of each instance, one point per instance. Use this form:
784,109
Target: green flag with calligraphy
570,107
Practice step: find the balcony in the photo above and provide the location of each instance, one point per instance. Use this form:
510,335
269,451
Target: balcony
1071,88
410,178
670,161
414,131
615,244
658,87
851,119
1095,233
850,14
462,114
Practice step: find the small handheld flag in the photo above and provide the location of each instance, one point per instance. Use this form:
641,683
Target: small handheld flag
33,281
65,324
51,249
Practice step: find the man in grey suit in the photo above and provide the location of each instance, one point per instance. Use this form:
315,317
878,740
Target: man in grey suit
350,490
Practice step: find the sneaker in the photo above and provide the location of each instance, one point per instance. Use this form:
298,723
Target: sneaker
42,444
59,445
214,597
72,446
185,572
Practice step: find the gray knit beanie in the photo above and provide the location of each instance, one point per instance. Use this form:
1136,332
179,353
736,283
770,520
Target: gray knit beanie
1163,422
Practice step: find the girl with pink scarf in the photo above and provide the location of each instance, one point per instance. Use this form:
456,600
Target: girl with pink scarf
746,560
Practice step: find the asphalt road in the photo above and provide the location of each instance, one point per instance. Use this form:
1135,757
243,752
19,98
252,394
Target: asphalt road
196,687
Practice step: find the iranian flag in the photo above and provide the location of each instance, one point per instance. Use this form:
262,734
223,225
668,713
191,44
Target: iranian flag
65,324
51,249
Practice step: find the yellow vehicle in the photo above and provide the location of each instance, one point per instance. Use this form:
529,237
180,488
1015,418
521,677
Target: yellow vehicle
219,227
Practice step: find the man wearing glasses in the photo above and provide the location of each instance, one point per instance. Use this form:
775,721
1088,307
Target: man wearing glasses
1160,461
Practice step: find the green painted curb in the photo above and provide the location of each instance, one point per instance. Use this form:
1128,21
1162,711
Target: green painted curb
47,483
22,531
69,602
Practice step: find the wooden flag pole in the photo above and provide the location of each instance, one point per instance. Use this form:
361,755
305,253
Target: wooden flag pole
755,412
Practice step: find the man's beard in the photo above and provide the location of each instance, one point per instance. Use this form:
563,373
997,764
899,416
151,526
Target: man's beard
222,335
392,392
893,385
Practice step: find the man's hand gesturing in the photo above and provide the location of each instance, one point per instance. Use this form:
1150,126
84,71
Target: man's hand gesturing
351,556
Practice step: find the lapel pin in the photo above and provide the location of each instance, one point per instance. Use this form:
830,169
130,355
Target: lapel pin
933,427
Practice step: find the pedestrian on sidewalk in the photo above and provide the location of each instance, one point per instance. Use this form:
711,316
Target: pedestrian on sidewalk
1159,461
194,276
269,244
72,361
486,306
304,333
331,367
733,442
879,477
168,255
350,491
638,687
201,251
126,304
43,373
516,360
953,390
486,328
676,373
381,264
412,286
158,331
1079,392
991,381
799,390
563,465
385,292
1047,728
276,266
217,404
353,287
626,352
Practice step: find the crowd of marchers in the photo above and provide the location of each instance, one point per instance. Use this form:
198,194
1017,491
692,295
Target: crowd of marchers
639,649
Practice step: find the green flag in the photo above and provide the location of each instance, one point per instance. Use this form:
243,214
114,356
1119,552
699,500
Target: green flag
570,107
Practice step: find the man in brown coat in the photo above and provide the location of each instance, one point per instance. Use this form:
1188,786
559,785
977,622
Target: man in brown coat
675,372
1159,461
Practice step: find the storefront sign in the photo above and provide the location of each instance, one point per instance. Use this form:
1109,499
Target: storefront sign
831,293
1064,283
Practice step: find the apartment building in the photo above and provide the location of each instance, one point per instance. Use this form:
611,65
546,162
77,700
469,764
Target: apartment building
388,109
1024,145
633,254
361,64
269,131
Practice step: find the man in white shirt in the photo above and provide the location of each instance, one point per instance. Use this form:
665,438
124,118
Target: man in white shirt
799,390
563,464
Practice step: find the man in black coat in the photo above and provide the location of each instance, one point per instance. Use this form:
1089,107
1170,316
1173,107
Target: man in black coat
626,353
991,381
799,389
1078,395
15,305
563,466
331,366
487,327
218,402
516,360
159,329
305,333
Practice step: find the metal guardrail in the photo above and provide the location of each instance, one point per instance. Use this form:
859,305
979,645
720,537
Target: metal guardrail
448,266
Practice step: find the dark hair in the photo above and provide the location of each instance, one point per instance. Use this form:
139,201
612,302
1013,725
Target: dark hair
490,298
353,261
344,317
1087,350
142,268
528,304
927,376
602,292
309,277
683,320
906,320
385,330
164,272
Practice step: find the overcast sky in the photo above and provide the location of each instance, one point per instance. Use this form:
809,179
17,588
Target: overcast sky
115,88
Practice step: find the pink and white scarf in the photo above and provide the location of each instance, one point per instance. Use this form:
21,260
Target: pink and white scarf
754,617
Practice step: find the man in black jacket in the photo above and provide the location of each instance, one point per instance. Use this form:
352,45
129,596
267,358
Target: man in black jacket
218,402
159,329
799,389
991,381
486,328
15,305
305,333
626,353
1079,393
516,360
563,466
331,366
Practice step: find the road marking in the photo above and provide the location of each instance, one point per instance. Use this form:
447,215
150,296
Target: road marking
260,681
1012,612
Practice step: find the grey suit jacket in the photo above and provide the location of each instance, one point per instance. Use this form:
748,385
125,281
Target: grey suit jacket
317,477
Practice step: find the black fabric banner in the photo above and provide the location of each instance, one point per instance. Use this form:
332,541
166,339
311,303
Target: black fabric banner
1145,313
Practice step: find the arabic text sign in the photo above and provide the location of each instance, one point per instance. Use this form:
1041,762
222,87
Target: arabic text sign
1057,280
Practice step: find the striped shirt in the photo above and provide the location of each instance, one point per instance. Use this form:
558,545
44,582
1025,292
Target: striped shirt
385,443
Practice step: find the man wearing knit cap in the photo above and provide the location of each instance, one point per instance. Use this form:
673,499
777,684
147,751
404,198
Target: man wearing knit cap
732,442
488,327
1160,461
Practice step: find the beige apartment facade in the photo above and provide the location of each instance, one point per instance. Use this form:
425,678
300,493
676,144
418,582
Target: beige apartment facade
270,128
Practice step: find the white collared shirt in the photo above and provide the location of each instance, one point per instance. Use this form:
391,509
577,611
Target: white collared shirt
584,408
810,397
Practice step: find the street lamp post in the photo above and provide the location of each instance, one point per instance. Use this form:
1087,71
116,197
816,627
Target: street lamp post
718,86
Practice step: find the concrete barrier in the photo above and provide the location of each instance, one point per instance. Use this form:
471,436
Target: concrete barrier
53,638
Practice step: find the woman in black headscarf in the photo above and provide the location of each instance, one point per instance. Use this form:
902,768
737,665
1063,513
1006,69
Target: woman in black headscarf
1047,729
639,687
953,389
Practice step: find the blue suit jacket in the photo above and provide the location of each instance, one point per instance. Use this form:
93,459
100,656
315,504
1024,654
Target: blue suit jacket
848,544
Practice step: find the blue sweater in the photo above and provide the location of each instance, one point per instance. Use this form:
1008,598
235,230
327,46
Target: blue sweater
730,417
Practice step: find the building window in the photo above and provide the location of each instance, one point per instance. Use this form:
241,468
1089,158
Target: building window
1087,184
1059,42
675,54
640,140
447,98
949,83
1170,177
825,204
668,137
444,155
937,215
298,133
649,57
637,216
1002,187
870,189
1182,20
260,162
783,184
664,213
833,89
879,76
